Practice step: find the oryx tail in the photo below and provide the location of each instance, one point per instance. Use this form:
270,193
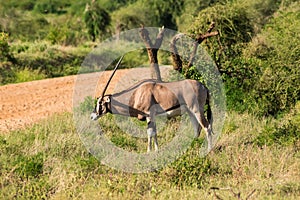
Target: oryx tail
209,112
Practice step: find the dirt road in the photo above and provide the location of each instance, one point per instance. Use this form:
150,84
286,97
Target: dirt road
27,103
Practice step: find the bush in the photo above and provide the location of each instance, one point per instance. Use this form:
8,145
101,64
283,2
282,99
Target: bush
131,16
285,132
7,74
86,106
27,5
58,35
191,171
30,166
97,21
277,88
260,76
28,75
28,28
284,135
52,6
6,60
52,62
236,29
232,21
5,52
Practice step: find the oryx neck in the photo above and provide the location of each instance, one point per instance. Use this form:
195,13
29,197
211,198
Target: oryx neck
118,105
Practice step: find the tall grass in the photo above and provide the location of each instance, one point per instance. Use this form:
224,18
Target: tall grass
48,160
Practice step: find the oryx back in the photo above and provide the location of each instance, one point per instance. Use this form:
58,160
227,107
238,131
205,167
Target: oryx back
168,96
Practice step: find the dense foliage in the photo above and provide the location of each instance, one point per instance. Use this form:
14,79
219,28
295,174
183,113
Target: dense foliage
257,50
252,53
97,19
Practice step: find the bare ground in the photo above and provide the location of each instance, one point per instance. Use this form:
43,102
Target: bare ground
26,103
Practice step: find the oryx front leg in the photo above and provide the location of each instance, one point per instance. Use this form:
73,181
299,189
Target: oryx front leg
151,131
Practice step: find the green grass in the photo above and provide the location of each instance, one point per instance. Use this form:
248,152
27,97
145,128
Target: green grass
48,160
40,59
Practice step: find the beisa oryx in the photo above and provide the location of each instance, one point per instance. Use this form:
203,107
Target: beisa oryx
149,98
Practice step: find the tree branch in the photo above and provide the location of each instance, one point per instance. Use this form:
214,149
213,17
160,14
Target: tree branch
159,38
199,39
144,34
177,62
152,50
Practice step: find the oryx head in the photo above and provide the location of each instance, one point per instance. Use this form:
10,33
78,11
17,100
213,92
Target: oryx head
103,101
101,107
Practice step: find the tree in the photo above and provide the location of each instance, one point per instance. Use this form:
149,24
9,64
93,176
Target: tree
152,49
165,12
97,20
132,16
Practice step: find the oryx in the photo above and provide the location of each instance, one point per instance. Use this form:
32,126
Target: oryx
149,98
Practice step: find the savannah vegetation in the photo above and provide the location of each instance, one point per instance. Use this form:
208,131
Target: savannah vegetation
257,52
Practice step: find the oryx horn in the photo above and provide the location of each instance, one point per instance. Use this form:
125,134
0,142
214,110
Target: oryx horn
115,69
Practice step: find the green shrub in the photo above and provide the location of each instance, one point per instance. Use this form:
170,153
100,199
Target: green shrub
67,34
190,171
7,60
55,35
124,142
30,166
5,52
232,21
44,7
241,75
285,135
133,15
49,61
27,5
273,83
28,28
86,106
26,75
236,28
52,6
96,20
260,76
135,58
87,163
7,74
285,132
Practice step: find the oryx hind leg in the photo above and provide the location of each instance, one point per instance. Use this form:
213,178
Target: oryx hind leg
196,125
206,126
